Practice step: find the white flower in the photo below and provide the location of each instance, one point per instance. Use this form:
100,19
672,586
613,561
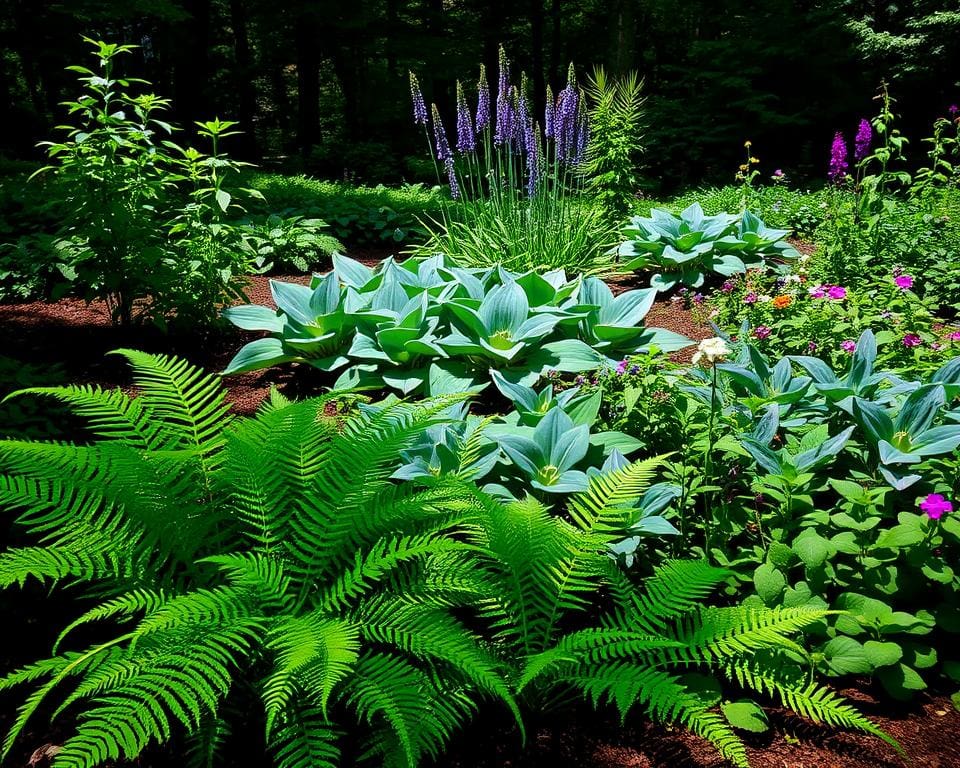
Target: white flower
710,352
765,299
792,279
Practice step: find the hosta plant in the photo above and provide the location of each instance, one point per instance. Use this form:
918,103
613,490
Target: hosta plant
686,249
267,561
425,325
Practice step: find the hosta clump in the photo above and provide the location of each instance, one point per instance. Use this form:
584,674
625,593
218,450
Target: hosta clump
265,569
686,249
429,326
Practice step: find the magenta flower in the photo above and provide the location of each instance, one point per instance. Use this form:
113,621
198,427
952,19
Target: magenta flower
837,292
778,173
849,346
861,143
622,367
750,298
817,292
935,506
727,286
698,298
838,159
903,282
912,340
811,346
955,336
953,109
761,332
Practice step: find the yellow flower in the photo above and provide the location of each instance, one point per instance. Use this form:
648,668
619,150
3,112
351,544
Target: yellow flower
748,144
754,160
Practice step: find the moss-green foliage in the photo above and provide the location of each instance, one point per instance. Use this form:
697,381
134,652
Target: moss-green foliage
359,216
273,561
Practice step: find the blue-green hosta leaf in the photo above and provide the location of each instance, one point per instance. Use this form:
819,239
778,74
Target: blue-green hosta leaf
469,318
767,427
406,382
654,525
664,282
819,370
726,265
253,317
524,397
614,335
504,308
258,354
394,340
873,419
766,458
920,409
628,309
864,356
585,410
665,341
553,436
566,356
539,291
948,375
571,481
898,480
365,348
936,441
890,454
360,376
746,378
326,295
427,347
658,497
448,377
390,298
535,327
294,301
351,272
815,457
615,441
456,345
505,352
523,452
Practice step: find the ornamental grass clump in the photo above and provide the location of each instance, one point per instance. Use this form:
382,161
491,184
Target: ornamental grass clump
516,190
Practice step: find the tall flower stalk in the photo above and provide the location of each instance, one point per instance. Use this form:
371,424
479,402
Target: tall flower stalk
516,190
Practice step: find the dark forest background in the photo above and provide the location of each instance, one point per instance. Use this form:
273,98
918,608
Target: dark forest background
321,85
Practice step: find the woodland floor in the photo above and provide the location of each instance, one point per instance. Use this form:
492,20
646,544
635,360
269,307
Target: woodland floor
67,341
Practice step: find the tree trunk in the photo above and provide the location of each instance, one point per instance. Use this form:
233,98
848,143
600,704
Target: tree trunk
244,74
308,83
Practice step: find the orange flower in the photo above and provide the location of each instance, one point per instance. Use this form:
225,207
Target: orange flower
782,302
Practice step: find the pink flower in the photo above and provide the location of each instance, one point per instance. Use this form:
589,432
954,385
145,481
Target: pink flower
848,346
912,340
818,291
903,282
622,367
698,298
837,292
727,286
955,336
761,332
811,346
936,506
750,298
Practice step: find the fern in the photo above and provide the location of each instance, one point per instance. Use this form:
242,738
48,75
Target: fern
274,550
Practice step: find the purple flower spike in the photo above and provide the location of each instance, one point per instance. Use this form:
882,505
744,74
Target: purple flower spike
532,148
419,106
582,140
443,147
504,129
838,159
452,178
483,101
861,143
549,114
466,141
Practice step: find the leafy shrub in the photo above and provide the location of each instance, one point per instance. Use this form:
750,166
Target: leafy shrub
429,326
357,215
685,249
289,242
274,564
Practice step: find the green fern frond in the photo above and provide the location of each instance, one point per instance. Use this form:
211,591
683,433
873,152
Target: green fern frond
601,505
313,653
111,413
124,607
205,744
305,740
